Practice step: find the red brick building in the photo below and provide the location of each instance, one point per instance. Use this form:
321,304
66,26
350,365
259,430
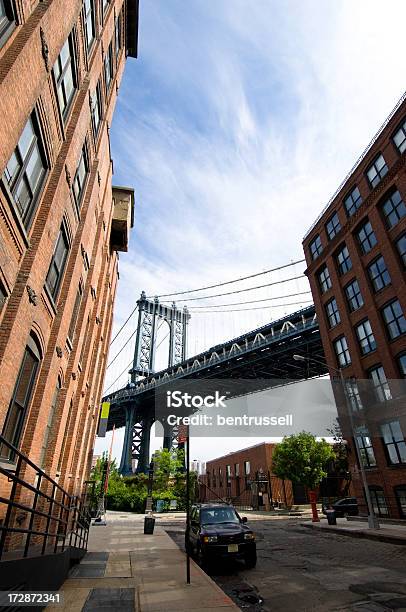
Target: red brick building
245,477
61,223
356,258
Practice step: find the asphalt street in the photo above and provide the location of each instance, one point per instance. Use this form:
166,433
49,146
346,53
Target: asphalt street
301,569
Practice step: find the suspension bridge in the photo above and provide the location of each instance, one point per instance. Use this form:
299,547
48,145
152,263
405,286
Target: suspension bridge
264,354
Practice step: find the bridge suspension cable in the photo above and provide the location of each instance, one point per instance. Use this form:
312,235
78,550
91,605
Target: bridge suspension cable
254,308
207,297
236,280
118,377
124,324
277,297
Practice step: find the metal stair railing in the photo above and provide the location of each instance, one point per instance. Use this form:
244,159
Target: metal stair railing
56,518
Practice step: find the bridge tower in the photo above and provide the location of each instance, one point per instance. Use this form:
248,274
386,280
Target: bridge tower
138,425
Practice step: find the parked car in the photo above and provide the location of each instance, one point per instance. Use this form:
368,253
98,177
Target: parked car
346,506
216,531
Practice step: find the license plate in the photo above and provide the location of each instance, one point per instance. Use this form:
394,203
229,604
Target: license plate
233,548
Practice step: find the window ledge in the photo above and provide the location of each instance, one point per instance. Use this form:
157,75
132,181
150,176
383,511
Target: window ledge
8,465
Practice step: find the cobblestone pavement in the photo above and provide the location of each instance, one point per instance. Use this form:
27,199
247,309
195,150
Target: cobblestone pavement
301,569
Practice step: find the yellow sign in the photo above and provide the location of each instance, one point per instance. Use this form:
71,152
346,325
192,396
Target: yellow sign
105,409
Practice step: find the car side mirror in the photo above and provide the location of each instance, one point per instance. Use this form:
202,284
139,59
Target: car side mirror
244,519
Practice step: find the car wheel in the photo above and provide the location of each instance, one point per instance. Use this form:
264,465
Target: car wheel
250,561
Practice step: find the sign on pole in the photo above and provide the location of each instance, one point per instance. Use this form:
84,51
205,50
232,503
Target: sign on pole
104,417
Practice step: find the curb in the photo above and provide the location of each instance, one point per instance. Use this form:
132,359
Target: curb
352,533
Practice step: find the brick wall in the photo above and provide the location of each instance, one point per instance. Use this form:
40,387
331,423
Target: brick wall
27,83
387,352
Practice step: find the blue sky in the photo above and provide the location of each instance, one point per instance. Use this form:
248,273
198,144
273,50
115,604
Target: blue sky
235,126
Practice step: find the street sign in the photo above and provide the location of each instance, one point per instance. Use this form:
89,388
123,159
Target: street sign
183,434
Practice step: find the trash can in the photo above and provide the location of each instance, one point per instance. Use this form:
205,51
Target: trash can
331,517
149,524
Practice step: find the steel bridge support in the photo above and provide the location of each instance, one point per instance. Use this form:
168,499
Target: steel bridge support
126,456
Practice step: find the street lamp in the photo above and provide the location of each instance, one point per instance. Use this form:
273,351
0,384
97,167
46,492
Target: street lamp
373,522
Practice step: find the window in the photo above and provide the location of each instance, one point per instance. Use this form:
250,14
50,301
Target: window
25,171
89,22
379,274
379,383
237,469
315,247
333,226
344,262
401,247
21,398
50,422
80,177
324,279
354,297
3,297
64,73
364,444
402,365
393,209
353,201
75,312
377,171
400,138
208,479
366,237
365,337
220,477
58,262
247,470
228,474
394,442
342,352
400,493
394,319
96,109
214,479
378,501
117,35
108,67
7,20
353,395
332,313
104,5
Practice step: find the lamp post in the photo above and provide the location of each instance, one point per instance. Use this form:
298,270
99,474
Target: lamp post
373,522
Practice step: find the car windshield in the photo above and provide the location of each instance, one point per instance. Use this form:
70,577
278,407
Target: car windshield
214,516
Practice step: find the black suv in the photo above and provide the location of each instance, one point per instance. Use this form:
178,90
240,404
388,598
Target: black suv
346,506
217,531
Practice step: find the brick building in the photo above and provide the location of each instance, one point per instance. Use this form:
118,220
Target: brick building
245,477
61,223
356,258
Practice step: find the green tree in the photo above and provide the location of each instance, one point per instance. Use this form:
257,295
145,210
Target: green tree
303,460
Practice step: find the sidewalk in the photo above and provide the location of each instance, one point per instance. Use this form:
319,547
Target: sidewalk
392,534
127,571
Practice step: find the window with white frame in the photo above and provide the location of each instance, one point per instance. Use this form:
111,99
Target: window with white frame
25,171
